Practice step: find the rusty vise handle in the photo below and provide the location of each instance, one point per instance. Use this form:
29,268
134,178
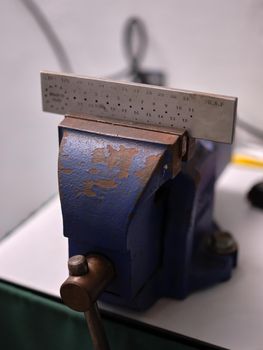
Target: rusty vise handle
88,277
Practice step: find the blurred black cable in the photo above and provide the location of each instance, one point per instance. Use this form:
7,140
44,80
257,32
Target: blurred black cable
250,128
135,43
134,34
50,34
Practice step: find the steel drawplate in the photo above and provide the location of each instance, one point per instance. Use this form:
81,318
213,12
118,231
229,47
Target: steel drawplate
205,116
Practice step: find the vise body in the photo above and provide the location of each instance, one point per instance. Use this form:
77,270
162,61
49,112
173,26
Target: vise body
141,195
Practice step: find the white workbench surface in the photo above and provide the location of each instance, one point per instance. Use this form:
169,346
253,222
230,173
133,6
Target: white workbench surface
228,315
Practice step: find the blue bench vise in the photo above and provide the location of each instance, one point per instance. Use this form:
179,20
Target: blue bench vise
142,197
127,194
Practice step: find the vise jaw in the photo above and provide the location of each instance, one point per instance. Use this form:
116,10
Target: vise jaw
110,184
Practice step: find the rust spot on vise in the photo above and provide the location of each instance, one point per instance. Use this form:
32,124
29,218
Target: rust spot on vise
93,171
99,156
103,183
116,158
65,135
65,171
150,164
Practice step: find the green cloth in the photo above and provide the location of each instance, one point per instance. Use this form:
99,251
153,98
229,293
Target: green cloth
31,321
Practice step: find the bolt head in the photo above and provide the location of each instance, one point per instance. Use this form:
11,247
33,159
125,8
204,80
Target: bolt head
222,243
77,265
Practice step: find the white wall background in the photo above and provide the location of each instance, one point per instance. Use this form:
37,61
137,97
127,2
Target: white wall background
205,45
